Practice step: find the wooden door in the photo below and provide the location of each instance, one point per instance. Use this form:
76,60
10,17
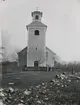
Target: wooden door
35,63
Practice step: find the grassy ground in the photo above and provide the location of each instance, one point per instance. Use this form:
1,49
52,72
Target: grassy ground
25,79
63,89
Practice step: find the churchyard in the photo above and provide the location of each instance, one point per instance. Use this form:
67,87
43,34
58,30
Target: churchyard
41,88
27,78
58,87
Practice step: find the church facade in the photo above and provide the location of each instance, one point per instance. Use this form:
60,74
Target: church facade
36,53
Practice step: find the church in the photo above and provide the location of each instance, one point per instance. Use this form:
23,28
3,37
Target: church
36,53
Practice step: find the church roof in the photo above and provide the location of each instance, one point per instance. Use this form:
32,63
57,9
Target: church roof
23,50
50,50
46,49
36,24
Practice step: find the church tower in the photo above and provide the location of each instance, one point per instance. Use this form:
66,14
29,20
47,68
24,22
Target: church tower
36,50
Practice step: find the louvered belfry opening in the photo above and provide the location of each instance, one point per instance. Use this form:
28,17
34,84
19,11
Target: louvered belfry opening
36,32
37,17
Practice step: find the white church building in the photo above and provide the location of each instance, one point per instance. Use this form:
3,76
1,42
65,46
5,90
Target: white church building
36,53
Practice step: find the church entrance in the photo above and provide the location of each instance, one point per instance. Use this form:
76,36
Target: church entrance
35,63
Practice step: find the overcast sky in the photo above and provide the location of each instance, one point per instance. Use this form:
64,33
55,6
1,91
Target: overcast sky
61,16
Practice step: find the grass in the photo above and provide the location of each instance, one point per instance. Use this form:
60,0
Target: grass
25,79
59,90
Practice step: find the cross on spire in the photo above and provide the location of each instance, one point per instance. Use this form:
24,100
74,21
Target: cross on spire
37,8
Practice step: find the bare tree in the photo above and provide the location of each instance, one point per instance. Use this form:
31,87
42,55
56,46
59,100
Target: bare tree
4,58
40,57
7,50
14,56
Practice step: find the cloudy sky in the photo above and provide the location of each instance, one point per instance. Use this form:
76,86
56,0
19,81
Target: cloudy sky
61,16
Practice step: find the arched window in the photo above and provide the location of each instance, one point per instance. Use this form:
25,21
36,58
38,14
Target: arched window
37,17
36,32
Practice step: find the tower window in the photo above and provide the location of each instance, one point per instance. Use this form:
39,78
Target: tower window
36,32
37,17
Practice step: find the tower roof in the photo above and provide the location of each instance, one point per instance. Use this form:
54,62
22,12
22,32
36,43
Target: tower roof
36,24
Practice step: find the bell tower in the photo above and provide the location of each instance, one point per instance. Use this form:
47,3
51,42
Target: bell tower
36,15
36,50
